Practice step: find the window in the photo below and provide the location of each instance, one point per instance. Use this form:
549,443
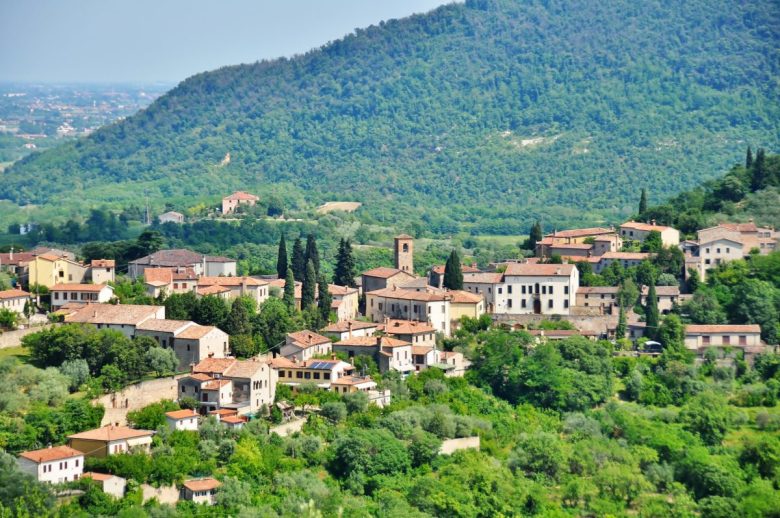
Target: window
326,375
707,250
509,303
705,340
565,290
175,285
316,375
728,250
706,261
717,250
544,290
522,289
727,340
550,303
550,290
509,289
281,374
742,340
299,375
500,290
566,303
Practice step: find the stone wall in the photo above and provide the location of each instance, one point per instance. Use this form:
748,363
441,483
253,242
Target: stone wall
139,395
595,323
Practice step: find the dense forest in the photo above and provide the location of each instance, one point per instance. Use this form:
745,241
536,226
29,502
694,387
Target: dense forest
471,107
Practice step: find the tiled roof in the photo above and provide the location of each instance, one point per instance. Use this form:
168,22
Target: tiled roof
215,384
403,236
230,281
741,227
715,329
483,278
101,477
181,414
234,419
244,369
51,453
241,196
111,433
214,365
174,257
372,341
384,272
464,268
539,270
80,287
158,275
340,291
421,349
116,314
581,232
407,327
219,259
203,484
353,380
464,297
399,293
645,227
18,258
598,289
13,294
212,290
103,263
164,325
307,338
627,256
571,246
666,291
343,326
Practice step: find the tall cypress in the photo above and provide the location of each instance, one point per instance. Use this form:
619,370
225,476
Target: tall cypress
312,254
643,203
281,259
298,260
535,235
325,299
620,331
289,290
651,312
344,274
453,273
308,289
749,158
758,178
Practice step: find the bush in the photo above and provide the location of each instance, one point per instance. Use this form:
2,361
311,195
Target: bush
334,411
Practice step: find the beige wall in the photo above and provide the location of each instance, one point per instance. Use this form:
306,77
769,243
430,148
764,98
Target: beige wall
695,342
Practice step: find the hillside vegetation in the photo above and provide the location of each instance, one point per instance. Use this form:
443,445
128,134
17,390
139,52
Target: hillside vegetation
506,109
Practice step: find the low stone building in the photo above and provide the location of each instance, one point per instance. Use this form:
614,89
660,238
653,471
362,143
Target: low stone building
110,484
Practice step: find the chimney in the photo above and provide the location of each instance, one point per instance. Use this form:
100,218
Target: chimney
295,358
332,356
349,329
652,222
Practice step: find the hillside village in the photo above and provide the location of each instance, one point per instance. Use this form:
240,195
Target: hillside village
386,320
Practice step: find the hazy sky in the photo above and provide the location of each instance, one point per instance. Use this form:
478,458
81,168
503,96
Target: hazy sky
169,40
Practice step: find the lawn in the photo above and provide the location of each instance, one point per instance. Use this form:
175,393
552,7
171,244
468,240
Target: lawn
20,352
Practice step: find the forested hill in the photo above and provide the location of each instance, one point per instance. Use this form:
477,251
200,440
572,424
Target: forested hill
493,108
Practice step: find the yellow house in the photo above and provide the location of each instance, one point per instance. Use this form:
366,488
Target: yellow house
465,304
49,269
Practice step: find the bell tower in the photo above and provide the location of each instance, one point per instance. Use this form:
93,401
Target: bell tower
404,253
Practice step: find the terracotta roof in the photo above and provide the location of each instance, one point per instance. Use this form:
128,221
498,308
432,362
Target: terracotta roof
372,341
666,291
628,256
203,484
80,287
343,326
164,325
230,281
571,246
234,419
483,278
213,365
50,454
18,258
200,376
223,412
219,259
403,236
645,227
111,433
181,414
172,213
212,290
307,338
215,384
399,293
50,257
352,380
464,268
103,263
581,232
384,272
715,329
741,227
116,314
241,196
162,275
598,289
464,297
539,270
421,349
407,327
336,290
174,257
244,369
13,294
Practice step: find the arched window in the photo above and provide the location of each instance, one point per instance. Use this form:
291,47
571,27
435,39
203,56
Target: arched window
405,248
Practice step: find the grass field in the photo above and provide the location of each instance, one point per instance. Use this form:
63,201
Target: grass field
19,352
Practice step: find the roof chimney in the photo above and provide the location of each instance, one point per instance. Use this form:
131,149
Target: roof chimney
295,358
349,329
652,222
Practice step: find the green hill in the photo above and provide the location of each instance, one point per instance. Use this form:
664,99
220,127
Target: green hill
493,108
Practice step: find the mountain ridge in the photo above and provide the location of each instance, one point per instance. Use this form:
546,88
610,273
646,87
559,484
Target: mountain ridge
432,109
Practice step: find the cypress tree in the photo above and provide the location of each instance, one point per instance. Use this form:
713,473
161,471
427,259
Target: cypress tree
281,259
758,178
298,260
325,299
308,288
345,265
749,158
237,321
643,203
453,274
312,254
289,291
620,331
651,312
535,235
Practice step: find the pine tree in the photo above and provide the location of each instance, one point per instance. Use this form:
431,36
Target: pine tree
453,274
281,259
535,235
749,158
312,254
309,286
325,299
620,331
289,291
651,313
758,178
345,265
643,203
298,260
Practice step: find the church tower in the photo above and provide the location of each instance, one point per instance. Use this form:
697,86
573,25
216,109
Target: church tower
404,253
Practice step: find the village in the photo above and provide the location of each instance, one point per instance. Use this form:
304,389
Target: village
384,320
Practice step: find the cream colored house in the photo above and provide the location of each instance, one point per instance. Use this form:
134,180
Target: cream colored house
304,345
431,306
349,384
14,300
603,297
191,342
121,317
411,331
110,484
667,296
626,260
62,294
182,420
171,217
388,353
701,337
384,277
465,304
53,465
637,231
345,301
167,281
349,328
111,440
319,372
238,198
200,491
234,287
547,289
102,271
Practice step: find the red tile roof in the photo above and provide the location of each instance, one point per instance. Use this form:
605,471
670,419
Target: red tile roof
539,270
645,227
103,263
52,453
241,196
111,433
79,287
716,329
399,293
384,272
13,294
307,338
203,484
181,414
581,232
343,326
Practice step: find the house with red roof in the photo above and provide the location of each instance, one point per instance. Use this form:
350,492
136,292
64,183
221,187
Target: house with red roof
232,202
55,464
